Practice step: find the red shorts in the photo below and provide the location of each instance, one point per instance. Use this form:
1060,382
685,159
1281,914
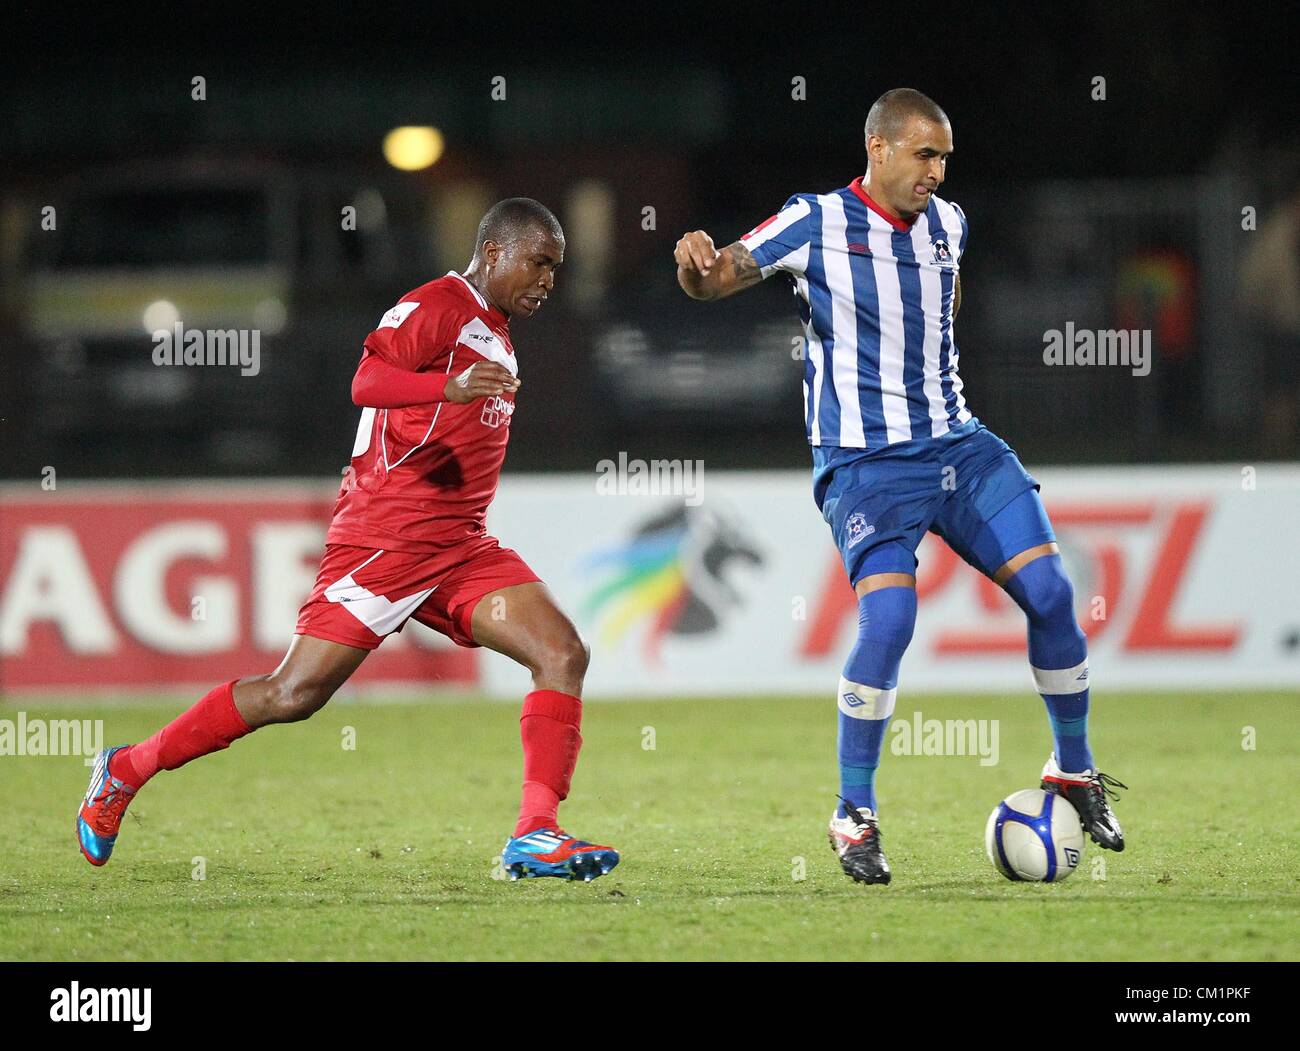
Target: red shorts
363,594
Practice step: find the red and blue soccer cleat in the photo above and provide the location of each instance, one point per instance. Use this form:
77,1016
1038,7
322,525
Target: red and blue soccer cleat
101,811
552,852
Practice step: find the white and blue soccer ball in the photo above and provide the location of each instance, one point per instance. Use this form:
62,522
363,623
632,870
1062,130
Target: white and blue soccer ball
1034,835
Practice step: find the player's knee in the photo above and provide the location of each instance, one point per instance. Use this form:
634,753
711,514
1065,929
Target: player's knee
887,617
566,660
886,620
1043,591
576,656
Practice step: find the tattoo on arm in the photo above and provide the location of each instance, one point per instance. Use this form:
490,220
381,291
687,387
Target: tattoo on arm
745,270
743,261
956,296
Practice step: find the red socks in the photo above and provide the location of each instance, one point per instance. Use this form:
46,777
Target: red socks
549,728
209,726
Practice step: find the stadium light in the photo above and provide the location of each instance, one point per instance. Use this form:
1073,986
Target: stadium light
160,314
410,149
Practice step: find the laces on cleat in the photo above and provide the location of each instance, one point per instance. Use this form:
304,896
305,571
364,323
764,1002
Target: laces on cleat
116,800
867,824
1106,785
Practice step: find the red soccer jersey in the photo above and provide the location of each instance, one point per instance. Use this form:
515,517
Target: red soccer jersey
422,477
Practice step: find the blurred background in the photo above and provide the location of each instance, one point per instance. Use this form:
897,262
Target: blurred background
1122,167
229,212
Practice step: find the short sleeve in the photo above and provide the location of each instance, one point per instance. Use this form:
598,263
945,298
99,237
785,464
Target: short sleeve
965,228
413,335
783,241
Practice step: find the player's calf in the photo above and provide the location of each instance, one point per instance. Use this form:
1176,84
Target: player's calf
273,698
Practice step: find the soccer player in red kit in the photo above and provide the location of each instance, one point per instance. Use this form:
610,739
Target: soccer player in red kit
437,384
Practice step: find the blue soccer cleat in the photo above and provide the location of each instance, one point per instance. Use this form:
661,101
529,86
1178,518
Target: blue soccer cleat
101,811
552,852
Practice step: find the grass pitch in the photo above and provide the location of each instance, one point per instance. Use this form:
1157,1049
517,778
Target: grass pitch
311,851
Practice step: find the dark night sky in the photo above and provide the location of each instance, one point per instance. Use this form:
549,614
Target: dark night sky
1014,78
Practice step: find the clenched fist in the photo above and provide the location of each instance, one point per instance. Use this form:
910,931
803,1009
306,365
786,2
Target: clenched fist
695,252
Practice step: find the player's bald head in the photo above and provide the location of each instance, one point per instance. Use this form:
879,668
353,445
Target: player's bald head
889,114
515,218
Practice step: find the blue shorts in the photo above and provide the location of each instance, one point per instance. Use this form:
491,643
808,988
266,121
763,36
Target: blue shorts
880,503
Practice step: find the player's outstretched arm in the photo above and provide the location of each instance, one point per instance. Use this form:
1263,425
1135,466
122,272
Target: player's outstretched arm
705,273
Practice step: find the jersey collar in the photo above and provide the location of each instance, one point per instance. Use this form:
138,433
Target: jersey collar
499,315
902,226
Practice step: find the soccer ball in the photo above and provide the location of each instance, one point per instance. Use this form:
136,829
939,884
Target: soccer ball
1034,835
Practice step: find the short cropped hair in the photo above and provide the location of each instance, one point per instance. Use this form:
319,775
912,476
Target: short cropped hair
507,220
890,113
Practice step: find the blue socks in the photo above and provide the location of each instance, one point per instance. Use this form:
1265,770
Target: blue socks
1058,656
868,688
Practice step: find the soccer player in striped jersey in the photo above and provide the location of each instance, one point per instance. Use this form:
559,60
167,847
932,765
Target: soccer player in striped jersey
896,451
436,385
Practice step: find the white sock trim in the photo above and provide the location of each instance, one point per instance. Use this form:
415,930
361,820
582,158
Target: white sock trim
1055,681
866,702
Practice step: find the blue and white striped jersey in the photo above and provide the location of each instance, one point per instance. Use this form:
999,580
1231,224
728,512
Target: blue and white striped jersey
875,295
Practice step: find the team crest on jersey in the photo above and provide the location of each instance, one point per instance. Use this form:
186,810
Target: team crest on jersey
942,253
857,528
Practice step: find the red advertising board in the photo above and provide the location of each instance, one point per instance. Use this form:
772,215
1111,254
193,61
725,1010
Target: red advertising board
104,587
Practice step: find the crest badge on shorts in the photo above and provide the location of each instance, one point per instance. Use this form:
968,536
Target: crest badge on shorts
857,528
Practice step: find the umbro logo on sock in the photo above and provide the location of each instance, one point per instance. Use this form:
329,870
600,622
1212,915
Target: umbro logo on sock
853,700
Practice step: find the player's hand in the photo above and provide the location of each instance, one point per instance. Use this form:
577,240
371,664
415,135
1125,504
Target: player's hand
483,379
695,252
